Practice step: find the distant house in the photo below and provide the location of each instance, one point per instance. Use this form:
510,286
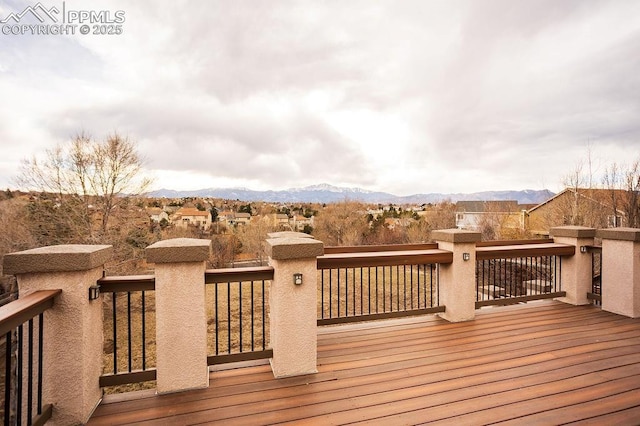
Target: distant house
186,216
280,220
596,208
238,219
298,222
225,216
470,215
156,214
392,223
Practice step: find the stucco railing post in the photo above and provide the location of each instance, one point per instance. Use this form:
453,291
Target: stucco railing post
458,279
576,275
72,346
621,270
181,320
293,303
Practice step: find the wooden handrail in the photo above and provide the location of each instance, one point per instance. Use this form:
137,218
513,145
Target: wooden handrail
524,250
378,248
384,258
22,310
127,283
256,273
513,242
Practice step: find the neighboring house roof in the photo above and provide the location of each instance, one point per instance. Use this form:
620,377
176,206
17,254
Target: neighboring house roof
242,216
487,206
600,196
190,211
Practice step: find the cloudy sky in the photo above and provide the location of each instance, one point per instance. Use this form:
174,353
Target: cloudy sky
398,96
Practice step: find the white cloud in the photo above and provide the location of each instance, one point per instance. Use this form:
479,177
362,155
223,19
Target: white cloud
416,96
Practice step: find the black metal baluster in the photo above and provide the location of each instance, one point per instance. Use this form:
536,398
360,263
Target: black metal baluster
264,316
40,359
253,336
404,281
240,313
338,285
346,292
7,378
228,317
330,293
115,331
129,336
361,290
216,306
384,289
20,378
30,374
144,331
353,279
390,288
322,293
377,289
369,288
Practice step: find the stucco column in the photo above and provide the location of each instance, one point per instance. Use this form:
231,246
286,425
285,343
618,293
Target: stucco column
293,304
458,279
621,270
576,275
181,320
72,347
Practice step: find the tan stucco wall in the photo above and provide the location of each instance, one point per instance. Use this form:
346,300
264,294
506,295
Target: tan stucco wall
181,318
458,279
181,327
576,274
293,318
621,277
73,327
293,308
73,335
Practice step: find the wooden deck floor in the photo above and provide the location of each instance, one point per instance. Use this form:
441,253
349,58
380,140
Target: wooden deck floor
540,363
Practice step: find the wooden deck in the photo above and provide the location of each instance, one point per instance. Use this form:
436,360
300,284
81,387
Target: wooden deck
540,363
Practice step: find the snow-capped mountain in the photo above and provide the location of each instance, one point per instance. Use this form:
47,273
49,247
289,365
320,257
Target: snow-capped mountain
325,193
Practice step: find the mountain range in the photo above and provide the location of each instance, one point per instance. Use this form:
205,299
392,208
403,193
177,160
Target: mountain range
325,193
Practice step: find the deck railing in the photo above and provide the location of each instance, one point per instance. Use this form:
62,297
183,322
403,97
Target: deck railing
596,273
518,271
22,324
373,282
238,321
129,329
238,314
410,279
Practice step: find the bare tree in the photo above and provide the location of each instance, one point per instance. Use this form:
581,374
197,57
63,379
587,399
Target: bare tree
253,235
623,183
341,224
631,204
82,182
14,232
576,180
612,181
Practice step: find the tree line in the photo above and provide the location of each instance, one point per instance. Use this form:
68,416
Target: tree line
91,191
